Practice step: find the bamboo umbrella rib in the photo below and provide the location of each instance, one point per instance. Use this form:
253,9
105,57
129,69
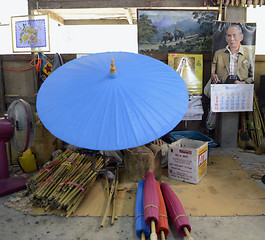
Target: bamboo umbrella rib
108,202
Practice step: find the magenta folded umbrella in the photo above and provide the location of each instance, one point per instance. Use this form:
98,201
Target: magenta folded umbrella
151,199
151,203
175,210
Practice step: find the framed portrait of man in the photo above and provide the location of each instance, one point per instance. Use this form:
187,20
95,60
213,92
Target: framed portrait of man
233,52
233,62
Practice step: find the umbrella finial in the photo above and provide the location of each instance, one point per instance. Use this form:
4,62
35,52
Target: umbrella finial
112,67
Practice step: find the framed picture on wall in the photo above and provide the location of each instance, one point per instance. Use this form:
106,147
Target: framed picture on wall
175,30
30,33
190,68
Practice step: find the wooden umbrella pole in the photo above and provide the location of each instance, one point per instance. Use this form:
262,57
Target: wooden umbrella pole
65,200
188,233
74,169
43,190
114,196
107,182
55,193
162,233
108,203
78,200
68,198
142,235
79,176
153,235
71,206
71,209
74,207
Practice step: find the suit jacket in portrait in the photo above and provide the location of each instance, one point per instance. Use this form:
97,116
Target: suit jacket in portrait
220,64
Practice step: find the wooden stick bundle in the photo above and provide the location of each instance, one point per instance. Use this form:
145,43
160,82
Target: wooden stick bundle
258,122
63,184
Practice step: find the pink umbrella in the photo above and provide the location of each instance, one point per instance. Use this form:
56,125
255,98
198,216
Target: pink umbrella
176,211
151,203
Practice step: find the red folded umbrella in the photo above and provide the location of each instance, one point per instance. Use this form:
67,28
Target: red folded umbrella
176,211
162,228
151,203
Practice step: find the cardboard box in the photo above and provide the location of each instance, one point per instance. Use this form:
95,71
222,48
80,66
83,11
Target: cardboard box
187,160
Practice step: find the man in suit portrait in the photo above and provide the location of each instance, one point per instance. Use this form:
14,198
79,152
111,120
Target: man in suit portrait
232,64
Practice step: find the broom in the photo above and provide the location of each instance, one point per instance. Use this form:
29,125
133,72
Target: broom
259,124
244,140
251,127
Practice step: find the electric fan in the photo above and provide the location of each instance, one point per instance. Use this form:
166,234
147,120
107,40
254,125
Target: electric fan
18,128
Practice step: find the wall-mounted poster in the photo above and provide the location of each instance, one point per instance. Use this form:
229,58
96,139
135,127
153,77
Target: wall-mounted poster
232,97
175,30
30,33
190,68
233,57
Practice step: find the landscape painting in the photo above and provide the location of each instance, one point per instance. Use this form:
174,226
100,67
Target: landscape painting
175,30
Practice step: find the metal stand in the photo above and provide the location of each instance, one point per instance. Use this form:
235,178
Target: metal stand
9,184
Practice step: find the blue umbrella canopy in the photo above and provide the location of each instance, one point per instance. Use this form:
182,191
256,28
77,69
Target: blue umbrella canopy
90,105
140,224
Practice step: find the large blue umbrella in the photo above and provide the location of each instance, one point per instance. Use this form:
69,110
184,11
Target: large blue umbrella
140,225
87,105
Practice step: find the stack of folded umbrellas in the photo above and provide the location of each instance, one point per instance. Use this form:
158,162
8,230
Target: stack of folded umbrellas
153,202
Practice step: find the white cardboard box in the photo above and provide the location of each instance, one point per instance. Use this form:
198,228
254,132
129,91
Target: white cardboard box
187,160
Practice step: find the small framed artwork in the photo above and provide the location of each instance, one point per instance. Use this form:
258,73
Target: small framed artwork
175,30
30,33
190,68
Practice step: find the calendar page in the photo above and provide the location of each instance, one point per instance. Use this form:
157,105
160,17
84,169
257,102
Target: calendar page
232,97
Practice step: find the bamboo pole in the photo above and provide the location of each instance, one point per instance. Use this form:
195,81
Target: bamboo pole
63,184
114,196
108,203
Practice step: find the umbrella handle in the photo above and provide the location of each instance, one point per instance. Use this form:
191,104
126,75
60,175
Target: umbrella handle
142,235
162,233
188,233
153,235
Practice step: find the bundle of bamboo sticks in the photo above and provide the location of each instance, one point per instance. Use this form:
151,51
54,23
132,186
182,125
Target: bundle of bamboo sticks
256,129
64,182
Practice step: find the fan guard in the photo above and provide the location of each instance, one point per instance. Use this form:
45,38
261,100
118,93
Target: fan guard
23,120
18,127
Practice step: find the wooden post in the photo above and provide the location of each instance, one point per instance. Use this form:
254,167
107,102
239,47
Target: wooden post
2,91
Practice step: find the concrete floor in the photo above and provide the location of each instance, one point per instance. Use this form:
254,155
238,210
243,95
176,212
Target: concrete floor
15,225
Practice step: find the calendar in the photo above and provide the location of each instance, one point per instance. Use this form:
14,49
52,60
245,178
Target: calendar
232,97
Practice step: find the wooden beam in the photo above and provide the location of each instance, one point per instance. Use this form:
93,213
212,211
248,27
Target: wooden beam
66,4
129,15
96,22
53,16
